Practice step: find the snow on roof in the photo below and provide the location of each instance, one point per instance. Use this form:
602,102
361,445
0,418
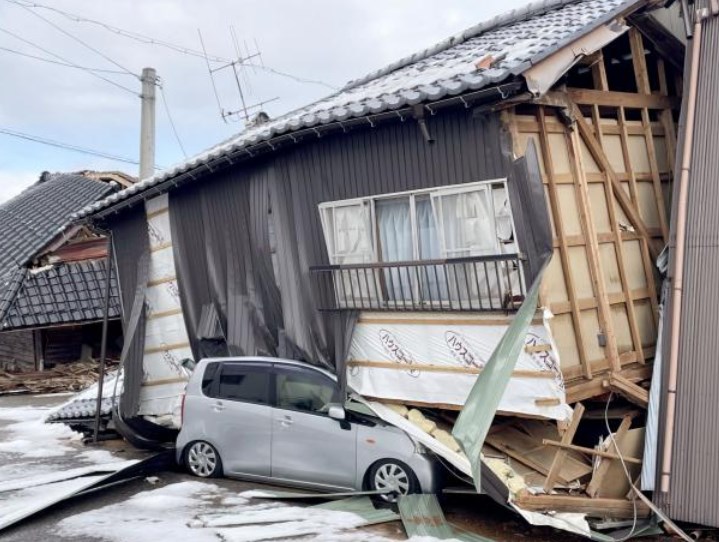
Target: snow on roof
509,44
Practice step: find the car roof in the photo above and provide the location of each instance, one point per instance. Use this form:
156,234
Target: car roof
269,360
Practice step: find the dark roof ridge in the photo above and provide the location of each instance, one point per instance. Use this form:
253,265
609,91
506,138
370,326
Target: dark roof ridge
508,17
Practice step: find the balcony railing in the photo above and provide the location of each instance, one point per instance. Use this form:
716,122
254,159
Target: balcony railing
471,284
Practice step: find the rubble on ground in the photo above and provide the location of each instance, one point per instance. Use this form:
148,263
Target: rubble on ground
61,378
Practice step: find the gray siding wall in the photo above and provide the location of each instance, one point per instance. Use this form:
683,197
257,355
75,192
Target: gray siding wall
694,494
231,206
17,350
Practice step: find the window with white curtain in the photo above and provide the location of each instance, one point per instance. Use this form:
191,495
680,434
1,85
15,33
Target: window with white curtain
456,221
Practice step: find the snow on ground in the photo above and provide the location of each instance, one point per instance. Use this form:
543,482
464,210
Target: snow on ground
196,511
22,503
30,448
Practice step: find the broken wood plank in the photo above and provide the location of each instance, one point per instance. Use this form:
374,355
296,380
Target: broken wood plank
613,508
529,451
628,389
561,455
598,477
590,451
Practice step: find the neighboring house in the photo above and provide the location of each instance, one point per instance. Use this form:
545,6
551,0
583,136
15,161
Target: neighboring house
392,229
52,273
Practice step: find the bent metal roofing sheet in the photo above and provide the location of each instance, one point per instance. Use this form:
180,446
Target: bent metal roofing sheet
515,42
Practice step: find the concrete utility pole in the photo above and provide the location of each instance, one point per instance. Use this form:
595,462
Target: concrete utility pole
147,123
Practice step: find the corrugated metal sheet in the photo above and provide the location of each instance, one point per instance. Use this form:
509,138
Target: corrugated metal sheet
694,486
221,232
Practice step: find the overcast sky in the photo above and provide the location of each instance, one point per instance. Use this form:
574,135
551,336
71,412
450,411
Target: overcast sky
328,40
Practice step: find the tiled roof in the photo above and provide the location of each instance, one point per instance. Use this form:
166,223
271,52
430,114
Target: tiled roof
67,293
515,41
29,221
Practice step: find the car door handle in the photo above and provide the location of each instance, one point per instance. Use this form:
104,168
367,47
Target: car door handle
218,407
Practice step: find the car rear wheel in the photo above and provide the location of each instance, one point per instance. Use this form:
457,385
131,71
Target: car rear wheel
202,459
394,477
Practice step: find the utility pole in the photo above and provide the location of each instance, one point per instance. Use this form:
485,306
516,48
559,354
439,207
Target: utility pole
147,123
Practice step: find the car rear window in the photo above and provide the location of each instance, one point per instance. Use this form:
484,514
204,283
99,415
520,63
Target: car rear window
208,377
243,383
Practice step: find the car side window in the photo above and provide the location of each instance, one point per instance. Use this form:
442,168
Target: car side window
305,391
249,384
209,377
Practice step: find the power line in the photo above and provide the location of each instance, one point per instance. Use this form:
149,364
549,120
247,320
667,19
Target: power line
148,40
60,63
69,35
65,60
172,122
68,146
125,33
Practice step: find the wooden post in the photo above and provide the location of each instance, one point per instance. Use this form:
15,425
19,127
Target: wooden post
563,245
592,250
561,454
39,351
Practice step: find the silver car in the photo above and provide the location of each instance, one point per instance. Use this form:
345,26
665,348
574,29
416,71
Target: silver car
280,421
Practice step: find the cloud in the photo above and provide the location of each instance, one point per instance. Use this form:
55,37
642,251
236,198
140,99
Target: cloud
14,182
316,39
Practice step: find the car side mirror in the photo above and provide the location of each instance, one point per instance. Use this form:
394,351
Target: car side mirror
337,412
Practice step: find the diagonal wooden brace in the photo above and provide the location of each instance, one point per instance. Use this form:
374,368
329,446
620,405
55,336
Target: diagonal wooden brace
558,99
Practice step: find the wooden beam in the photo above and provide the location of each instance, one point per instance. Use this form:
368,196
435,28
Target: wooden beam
596,272
599,72
561,454
641,75
588,451
614,508
618,242
627,99
564,248
628,389
595,149
447,368
598,477
582,390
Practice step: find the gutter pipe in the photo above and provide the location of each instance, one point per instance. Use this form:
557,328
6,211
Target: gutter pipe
677,282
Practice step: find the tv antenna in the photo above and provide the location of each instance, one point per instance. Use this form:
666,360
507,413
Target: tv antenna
238,67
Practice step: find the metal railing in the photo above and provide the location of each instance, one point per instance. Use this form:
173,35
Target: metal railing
478,283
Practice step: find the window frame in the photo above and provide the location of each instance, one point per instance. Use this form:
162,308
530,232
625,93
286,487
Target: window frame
280,368
440,191
263,367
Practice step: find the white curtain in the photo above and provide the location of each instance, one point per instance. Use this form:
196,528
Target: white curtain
348,233
352,229
395,235
467,223
431,279
469,229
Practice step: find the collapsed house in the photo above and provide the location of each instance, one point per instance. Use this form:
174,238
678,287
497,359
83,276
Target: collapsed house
52,279
392,230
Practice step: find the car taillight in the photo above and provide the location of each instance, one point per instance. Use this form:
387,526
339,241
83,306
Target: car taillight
182,408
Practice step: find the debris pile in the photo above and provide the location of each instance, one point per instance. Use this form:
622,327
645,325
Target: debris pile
62,378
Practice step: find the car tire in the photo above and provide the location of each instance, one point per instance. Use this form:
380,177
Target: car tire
392,473
203,460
